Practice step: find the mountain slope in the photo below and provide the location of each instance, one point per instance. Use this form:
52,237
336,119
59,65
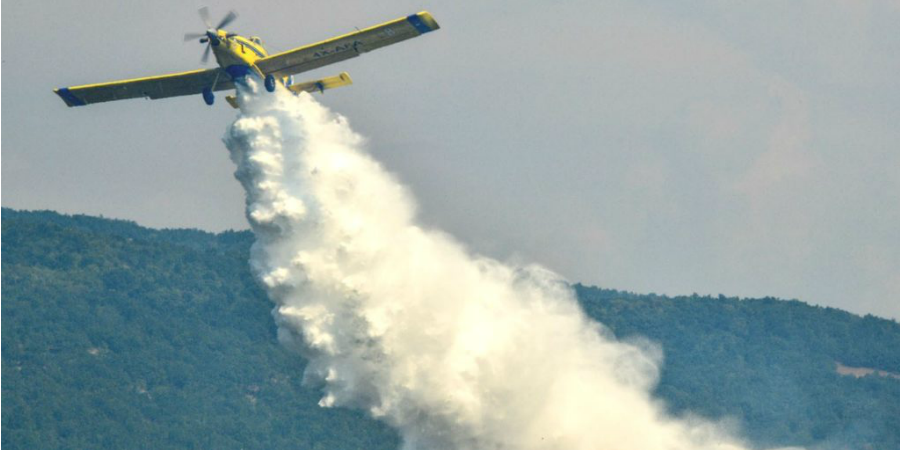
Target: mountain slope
118,336
767,363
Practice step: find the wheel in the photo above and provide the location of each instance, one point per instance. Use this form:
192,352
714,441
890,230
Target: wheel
208,96
270,83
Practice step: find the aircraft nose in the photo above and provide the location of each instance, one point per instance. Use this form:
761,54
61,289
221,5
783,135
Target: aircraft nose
213,37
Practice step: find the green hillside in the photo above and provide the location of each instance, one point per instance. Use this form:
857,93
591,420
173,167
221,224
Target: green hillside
118,336
768,363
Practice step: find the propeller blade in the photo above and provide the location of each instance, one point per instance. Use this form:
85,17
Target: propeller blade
205,57
227,19
193,36
204,15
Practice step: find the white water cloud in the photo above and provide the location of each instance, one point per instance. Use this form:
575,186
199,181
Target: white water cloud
455,350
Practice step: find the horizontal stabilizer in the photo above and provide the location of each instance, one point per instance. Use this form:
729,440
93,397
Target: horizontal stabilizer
232,100
320,85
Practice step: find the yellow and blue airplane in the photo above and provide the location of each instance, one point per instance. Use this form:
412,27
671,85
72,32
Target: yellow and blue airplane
239,57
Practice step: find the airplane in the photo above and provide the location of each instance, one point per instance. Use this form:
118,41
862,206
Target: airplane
240,57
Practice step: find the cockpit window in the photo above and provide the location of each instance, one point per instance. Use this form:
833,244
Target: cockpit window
251,47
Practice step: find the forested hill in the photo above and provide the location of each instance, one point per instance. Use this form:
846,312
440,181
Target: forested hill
118,336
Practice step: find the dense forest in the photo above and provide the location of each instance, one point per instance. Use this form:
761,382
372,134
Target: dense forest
118,336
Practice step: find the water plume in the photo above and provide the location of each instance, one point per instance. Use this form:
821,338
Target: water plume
453,349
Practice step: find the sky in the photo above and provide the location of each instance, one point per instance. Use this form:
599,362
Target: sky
740,148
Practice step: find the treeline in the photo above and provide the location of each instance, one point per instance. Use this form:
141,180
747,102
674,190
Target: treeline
118,336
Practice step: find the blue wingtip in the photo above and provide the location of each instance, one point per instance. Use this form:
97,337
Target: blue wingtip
418,24
69,97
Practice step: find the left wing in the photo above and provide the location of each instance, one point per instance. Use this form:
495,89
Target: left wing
347,46
172,85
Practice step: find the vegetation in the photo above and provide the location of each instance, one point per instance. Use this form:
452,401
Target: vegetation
118,336
768,364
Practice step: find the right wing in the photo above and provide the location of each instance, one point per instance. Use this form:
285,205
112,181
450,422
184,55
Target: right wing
347,46
162,86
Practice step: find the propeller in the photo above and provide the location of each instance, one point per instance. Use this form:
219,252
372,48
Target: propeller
211,35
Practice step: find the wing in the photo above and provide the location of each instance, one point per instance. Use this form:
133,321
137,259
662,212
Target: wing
347,46
172,85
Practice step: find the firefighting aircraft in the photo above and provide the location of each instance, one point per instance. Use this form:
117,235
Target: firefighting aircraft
239,57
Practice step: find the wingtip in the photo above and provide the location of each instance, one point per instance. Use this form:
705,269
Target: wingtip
429,20
423,21
67,96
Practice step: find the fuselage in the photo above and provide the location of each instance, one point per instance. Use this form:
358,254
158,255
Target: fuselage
237,54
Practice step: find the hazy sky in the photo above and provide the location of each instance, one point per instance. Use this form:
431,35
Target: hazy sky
743,148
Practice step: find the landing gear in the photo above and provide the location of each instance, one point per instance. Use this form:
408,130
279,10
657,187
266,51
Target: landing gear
208,96
270,83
